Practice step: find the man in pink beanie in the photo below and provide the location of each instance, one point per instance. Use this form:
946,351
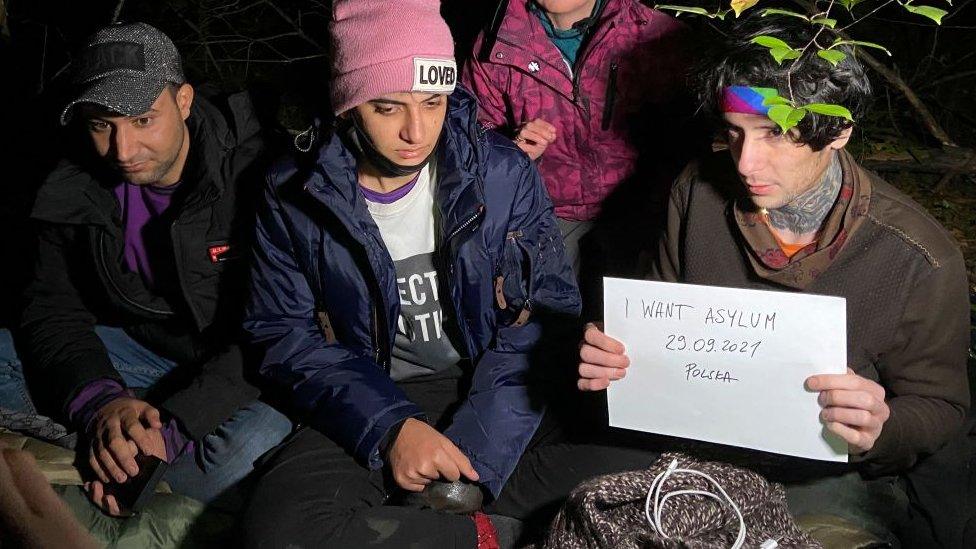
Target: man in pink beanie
404,280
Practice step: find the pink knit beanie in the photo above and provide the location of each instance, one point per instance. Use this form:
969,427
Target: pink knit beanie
388,46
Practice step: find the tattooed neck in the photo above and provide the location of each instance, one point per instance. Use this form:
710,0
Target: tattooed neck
805,213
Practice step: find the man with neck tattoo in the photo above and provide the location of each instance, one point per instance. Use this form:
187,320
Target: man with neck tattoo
792,211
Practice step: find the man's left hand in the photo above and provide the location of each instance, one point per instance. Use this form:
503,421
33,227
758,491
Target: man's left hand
854,407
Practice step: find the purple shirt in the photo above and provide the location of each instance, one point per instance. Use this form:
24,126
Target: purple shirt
392,196
82,410
140,205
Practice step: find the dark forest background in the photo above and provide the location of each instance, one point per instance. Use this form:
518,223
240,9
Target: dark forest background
920,134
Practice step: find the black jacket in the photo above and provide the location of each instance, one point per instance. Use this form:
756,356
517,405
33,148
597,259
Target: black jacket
80,279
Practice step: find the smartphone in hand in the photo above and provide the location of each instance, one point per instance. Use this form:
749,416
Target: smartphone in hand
133,494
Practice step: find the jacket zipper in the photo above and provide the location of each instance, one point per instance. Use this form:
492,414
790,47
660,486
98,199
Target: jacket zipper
611,97
449,261
374,321
116,288
580,61
377,318
474,217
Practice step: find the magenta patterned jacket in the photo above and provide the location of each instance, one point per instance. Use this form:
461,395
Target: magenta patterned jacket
633,61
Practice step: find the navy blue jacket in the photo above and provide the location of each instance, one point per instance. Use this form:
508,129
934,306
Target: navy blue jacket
324,298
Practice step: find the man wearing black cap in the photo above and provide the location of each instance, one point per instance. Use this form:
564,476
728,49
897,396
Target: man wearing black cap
131,322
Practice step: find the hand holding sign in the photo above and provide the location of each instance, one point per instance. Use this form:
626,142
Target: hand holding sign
853,407
856,413
731,366
602,360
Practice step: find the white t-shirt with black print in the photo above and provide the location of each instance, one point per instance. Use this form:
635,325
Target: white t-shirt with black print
422,346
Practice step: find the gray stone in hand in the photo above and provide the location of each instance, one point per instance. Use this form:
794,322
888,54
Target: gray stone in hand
450,497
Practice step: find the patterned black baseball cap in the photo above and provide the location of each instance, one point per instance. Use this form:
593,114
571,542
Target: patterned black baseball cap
124,68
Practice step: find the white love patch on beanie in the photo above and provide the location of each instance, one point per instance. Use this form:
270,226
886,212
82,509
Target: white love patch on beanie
434,75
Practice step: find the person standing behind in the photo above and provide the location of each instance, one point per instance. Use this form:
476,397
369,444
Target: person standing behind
575,83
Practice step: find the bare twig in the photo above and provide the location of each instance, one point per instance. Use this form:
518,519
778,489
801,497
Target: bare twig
929,121
950,78
891,114
863,17
4,31
789,73
118,10
934,161
200,33
926,62
290,21
41,79
958,9
969,166
282,61
219,12
239,40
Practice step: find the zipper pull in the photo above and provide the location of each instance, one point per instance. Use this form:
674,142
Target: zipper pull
610,98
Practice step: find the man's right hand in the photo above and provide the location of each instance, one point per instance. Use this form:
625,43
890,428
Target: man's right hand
602,360
420,454
121,429
533,137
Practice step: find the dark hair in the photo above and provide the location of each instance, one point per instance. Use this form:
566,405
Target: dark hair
736,61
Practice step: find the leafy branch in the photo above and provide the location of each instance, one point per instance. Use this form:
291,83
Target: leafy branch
784,110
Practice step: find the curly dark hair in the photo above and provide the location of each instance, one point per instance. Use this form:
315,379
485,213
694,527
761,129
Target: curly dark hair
736,61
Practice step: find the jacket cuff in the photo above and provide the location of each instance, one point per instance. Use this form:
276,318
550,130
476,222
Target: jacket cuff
83,407
367,449
887,454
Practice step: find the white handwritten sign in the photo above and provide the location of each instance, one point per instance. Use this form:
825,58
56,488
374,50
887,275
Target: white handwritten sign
726,365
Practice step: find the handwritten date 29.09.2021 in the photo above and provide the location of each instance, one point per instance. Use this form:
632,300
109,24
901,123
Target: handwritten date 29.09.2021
677,342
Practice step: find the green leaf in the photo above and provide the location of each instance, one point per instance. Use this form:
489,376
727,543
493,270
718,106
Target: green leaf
771,42
740,6
781,54
785,116
849,4
829,110
684,9
840,42
776,100
934,14
825,21
833,56
776,11
777,48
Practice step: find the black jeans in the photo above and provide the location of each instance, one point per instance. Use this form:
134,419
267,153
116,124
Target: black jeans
312,494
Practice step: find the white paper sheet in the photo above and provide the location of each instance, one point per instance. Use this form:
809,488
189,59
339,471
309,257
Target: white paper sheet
726,365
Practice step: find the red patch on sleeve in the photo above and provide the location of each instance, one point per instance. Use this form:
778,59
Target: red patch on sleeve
217,251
